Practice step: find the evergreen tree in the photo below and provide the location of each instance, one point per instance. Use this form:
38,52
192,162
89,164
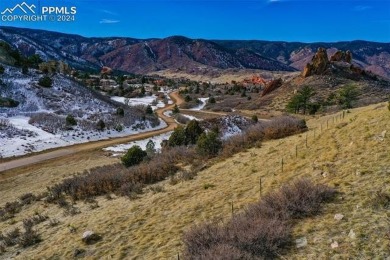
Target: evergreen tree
347,95
120,111
70,120
301,100
45,82
192,132
134,156
176,110
150,148
100,125
149,110
209,144
178,137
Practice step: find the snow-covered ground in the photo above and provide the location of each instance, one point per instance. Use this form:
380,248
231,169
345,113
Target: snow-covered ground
122,148
42,140
168,113
147,100
201,106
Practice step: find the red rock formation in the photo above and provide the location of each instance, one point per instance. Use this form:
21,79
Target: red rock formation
271,86
319,64
342,56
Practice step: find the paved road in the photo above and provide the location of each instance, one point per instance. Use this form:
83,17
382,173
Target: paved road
60,152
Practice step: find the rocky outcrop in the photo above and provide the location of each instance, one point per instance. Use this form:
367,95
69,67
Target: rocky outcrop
271,86
319,64
341,56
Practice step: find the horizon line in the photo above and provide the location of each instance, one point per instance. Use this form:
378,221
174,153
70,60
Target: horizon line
188,37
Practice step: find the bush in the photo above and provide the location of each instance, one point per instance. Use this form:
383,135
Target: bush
212,100
149,110
2,69
120,111
45,82
209,144
347,95
176,110
262,230
255,118
192,132
178,137
134,156
118,179
187,98
100,125
70,120
24,69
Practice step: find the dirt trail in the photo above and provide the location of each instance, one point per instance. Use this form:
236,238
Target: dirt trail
69,150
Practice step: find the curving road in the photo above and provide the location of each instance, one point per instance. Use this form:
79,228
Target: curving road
69,150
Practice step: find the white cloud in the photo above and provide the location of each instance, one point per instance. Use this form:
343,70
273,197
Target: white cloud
108,21
109,12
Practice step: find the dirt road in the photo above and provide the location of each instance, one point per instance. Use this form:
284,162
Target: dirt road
70,150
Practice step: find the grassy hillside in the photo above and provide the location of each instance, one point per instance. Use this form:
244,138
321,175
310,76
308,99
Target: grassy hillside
350,153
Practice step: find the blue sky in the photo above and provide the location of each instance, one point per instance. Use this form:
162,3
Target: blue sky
286,20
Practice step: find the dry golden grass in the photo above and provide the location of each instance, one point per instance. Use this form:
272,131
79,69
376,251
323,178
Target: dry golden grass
349,154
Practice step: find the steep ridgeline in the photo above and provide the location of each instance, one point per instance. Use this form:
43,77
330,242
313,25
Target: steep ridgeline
189,55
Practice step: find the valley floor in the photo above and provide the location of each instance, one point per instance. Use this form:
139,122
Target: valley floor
350,153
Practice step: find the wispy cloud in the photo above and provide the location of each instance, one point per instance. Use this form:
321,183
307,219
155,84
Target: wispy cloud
108,12
273,1
360,8
108,21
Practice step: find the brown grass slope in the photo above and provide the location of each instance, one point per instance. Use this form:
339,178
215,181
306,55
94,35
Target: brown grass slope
351,154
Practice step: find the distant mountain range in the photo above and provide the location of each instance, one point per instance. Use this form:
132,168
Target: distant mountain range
184,54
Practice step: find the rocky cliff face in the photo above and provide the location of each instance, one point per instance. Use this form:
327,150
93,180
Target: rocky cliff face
342,56
319,64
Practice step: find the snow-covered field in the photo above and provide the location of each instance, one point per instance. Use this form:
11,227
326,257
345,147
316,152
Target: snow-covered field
201,106
47,108
122,148
147,100
42,140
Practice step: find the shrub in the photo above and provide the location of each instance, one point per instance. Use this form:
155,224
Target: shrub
209,144
24,69
118,128
70,120
187,98
178,137
27,198
100,125
149,110
347,95
2,69
45,82
114,178
176,110
120,111
192,132
212,100
255,118
262,230
134,156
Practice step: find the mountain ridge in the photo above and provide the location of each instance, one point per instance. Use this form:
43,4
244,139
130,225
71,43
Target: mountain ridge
185,54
